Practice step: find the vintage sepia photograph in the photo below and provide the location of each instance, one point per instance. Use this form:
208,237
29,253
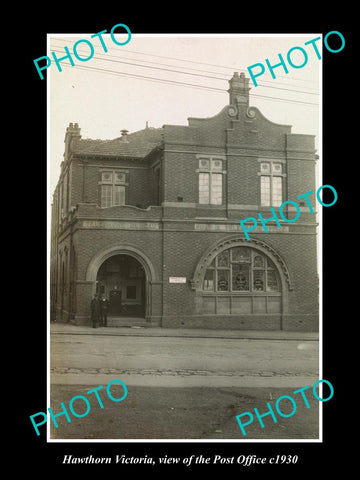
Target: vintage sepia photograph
185,202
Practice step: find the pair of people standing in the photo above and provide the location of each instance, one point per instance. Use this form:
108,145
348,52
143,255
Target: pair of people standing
99,308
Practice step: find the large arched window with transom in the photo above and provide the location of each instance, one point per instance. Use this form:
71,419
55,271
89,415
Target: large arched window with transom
241,280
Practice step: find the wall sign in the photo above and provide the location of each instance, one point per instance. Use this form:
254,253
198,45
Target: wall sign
177,279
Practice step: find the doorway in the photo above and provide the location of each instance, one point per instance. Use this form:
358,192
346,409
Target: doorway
115,302
122,280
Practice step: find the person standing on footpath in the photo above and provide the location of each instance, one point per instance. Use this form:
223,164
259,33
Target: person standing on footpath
94,306
104,305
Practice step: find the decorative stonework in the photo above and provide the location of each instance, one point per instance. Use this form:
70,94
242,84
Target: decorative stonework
232,111
250,112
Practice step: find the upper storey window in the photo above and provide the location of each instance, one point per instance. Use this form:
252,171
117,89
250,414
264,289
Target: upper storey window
271,183
112,188
210,181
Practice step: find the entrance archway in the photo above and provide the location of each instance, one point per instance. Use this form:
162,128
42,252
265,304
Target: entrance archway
131,253
122,280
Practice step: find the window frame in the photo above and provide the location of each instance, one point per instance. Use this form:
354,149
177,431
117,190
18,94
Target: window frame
268,266
213,194
117,187
105,195
274,199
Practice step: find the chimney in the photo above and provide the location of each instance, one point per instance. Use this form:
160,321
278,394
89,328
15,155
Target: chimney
124,135
72,132
239,89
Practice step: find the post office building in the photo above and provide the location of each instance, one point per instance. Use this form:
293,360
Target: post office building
151,220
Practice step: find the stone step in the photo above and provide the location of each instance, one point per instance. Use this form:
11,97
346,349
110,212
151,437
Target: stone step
128,322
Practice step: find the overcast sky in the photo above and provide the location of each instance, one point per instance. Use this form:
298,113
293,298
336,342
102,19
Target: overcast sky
134,84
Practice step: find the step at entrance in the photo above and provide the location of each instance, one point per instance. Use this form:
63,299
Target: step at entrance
127,322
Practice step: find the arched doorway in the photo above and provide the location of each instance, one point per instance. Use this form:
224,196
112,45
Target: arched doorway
130,252
121,278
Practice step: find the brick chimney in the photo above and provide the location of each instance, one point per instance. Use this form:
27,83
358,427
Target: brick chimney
72,132
239,89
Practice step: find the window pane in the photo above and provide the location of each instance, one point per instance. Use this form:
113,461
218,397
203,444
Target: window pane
209,281
277,191
272,284
277,168
120,177
240,277
259,280
216,189
203,188
270,264
223,281
258,261
240,254
119,195
265,168
106,177
265,191
106,195
204,164
223,259
216,165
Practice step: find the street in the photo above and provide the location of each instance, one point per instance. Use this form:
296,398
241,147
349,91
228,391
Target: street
182,386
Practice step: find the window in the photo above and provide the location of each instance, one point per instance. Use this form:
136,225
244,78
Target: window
271,184
265,191
241,269
119,194
131,292
113,188
106,194
210,181
241,280
204,188
209,281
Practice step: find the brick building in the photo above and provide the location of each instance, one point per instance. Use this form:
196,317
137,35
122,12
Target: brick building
151,220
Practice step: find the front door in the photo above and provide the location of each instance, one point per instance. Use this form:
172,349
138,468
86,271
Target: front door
115,302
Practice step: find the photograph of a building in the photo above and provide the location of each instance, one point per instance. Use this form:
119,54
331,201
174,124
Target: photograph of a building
150,221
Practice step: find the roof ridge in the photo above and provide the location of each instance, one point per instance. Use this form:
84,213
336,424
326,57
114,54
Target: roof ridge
138,144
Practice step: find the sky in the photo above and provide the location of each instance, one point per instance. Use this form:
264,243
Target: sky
165,79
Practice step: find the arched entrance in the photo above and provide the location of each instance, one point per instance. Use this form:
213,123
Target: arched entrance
122,280
130,266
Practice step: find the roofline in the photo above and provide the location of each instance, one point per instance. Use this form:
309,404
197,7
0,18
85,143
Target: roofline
117,156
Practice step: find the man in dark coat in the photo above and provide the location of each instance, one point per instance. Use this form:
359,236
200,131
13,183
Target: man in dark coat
94,306
104,306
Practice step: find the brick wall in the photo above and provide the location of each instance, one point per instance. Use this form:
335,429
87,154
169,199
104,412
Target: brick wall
89,242
183,251
85,179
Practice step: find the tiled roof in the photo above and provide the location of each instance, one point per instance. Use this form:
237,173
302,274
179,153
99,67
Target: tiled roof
137,144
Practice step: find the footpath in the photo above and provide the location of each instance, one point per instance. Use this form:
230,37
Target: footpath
70,329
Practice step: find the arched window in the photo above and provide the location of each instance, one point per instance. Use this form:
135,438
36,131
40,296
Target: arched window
241,280
241,269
